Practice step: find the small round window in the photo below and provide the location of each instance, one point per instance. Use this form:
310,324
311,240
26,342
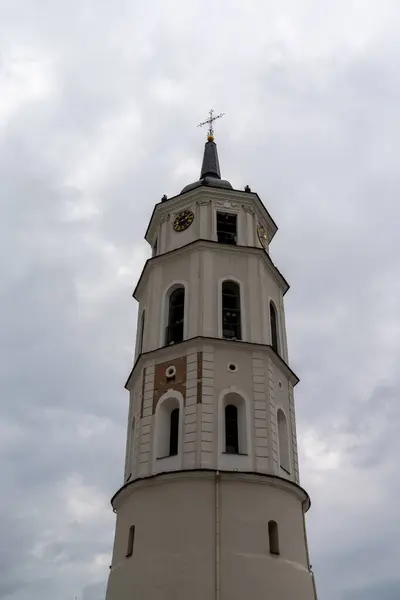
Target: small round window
232,367
170,372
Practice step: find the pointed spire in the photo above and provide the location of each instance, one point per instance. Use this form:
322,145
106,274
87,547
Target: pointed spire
210,172
210,166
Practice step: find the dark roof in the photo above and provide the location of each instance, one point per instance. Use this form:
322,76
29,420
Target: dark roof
210,166
210,172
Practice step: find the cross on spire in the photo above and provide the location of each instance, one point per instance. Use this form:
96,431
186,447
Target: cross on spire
209,122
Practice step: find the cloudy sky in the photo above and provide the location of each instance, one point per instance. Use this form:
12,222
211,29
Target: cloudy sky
99,102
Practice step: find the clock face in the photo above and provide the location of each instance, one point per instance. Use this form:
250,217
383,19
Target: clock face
183,220
262,236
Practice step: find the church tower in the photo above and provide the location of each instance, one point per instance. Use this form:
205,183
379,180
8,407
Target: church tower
211,507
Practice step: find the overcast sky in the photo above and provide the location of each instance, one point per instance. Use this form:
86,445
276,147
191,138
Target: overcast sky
99,102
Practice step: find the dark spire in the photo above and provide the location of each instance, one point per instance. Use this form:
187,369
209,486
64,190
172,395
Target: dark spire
210,173
210,166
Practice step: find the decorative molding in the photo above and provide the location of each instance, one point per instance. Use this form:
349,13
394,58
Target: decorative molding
203,202
165,218
248,209
203,243
226,204
216,195
254,478
189,207
187,345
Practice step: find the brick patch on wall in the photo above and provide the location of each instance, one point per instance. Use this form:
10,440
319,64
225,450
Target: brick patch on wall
162,384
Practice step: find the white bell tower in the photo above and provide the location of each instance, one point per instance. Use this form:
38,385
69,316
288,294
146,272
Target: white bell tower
211,507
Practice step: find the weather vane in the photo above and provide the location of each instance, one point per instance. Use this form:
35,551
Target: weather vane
209,122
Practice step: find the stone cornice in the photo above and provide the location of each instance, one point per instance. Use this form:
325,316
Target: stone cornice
163,354
208,244
183,201
210,474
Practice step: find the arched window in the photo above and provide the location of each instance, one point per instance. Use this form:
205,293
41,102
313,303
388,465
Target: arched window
283,440
273,537
234,434
176,314
273,319
141,332
231,320
174,432
231,429
168,427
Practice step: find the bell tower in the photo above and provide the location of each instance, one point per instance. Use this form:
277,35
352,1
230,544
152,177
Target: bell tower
211,507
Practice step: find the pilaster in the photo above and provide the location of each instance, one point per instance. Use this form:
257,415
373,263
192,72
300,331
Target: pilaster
204,218
273,427
250,225
194,323
255,307
260,382
208,286
209,431
292,419
190,424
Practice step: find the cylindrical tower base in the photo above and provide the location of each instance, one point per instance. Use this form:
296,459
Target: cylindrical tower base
205,535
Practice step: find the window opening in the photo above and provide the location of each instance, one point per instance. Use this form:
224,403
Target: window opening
274,326
176,310
170,372
273,537
231,430
283,441
226,228
131,541
174,432
231,328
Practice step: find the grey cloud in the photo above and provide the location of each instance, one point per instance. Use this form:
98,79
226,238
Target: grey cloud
385,591
94,592
311,101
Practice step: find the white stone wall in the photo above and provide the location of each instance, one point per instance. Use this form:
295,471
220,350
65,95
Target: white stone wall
204,202
177,553
201,270
259,379
190,432
208,411
293,435
201,516
260,412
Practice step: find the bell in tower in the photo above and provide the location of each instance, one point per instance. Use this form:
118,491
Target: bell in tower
211,506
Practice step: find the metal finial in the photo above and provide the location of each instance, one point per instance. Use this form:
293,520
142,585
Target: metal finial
209,122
